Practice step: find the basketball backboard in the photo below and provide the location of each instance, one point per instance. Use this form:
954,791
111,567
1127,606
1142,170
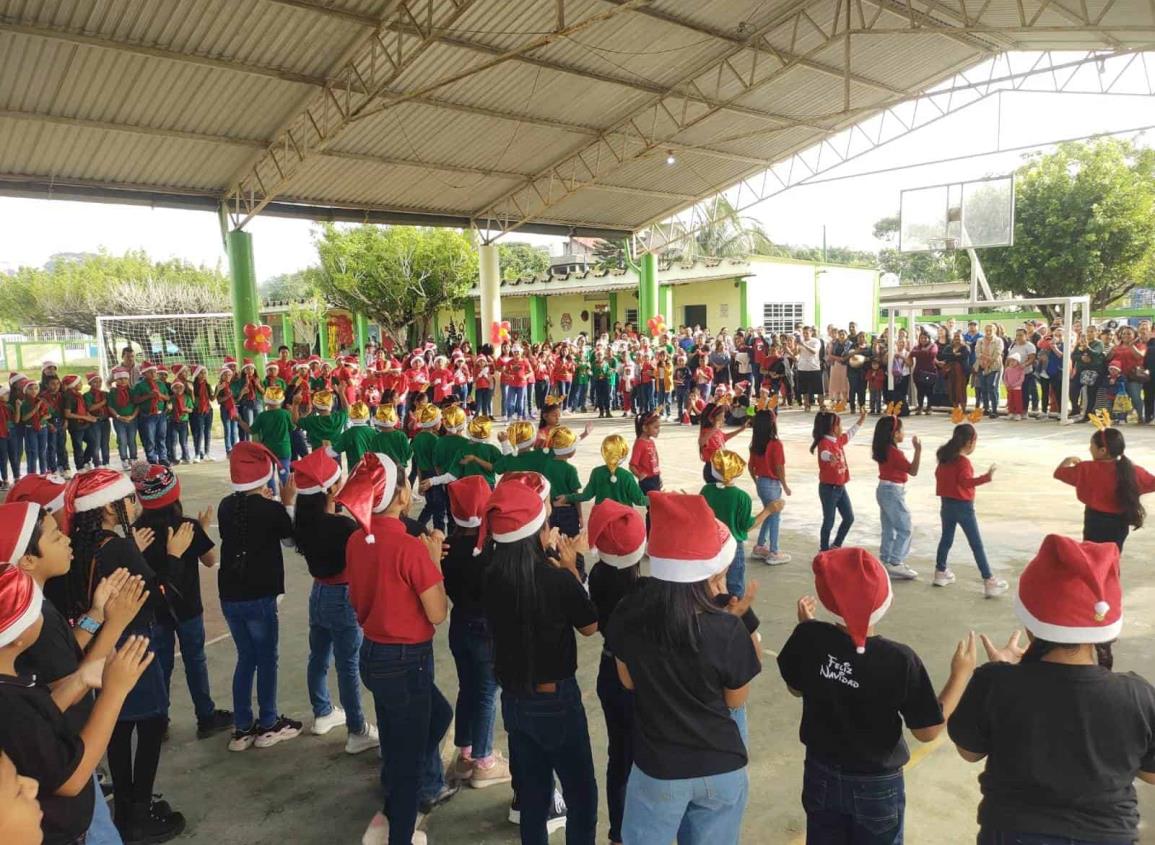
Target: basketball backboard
964,215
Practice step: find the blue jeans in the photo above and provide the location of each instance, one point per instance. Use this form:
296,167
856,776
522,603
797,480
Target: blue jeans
232,432
177,435
253,625
834,497
58,448
15,446
247,411
472,647
515,403
101,830
577,399
298,444
125,439
736,574
36,449
436,506
541,390
334,632
191,634
412,717
845,808
618,709
152,437
681,393
896,523
960,513
484,396
769,490
1004,837
989,391
202,427
548,733
103,429
695,811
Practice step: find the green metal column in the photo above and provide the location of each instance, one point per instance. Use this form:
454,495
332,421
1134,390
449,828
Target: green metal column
239,245
666,303
538,315
647,288
743,305
287,332
471,322
613,309
323,336
362,325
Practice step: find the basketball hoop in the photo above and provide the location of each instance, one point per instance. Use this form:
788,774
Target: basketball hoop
942,244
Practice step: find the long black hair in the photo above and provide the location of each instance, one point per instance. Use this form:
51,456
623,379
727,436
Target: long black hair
963,434
1126,484
87,534
513,572
706,419
642,420
1038,649
884,431
666,613
309,508
765,430
823,425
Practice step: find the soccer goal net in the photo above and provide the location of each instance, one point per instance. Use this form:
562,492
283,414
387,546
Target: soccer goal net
166,339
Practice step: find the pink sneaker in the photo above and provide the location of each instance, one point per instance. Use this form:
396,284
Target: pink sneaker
760,552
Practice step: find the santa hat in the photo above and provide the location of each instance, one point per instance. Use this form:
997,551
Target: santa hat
17,522
161,370
535,481
323,400
562,441
301,365
48,365
70,381
316,472
95,489
248,364
467,499
20,600
617,534
179,370
513,512
428,417
681,556
16,380
417,361
854,586
1070,593
369,490
156,486
251,465
196,371
45,490
358,414
272,365
147,367
92,377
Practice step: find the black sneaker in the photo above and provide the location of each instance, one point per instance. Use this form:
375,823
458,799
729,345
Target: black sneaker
282,729
243,740
152,822
556,818
447,792
220,720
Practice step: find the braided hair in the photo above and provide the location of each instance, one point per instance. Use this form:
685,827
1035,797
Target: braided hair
241,516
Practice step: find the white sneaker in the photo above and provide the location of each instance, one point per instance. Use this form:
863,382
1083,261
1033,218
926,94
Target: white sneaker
126,466
196,459
377,833
284,728
993,587
901,572
323,724
777,558
760,552
208,459
356,743
943,578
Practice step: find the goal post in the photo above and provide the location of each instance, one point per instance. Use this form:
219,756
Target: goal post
166,338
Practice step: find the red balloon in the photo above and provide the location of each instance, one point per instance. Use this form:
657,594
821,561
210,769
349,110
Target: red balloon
251,329
250,344
263,346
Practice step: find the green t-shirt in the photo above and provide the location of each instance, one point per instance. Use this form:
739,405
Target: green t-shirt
563,477
600,487
599,370
582,373
354,442
71,403
318,383
423,445
395,444
447,452
124,410
272,428
533,460
487,452
321,427
733,508
142,396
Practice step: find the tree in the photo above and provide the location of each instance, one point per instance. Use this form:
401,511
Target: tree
914,268
1083,224
395,275
521,259
288,287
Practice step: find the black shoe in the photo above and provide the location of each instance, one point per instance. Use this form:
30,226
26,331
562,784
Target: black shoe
447,792
220,720
556,818
152,822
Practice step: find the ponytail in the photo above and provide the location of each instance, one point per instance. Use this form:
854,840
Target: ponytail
962,435
823,425
1126,484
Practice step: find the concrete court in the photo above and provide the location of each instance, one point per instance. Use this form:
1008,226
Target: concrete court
309,791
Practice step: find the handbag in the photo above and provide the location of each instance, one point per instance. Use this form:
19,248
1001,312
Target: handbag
1139,374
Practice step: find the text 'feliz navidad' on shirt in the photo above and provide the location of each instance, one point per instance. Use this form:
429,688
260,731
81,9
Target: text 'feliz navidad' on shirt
1094,483
832,465
956,480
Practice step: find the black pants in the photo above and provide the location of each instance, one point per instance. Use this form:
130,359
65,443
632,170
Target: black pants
648,485
924,388
134,775
618,709
1099,527
857,381
1149,401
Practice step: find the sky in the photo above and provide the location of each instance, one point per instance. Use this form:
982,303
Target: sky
33,230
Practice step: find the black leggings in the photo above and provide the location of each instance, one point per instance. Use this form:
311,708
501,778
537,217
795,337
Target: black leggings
1099,527
133,777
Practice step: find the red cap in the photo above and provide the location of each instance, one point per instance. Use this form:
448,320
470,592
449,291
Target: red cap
514,511
369,490
854,586
617,534
316,472
682,556
251,465
45,490
91,490
1070,593
467,500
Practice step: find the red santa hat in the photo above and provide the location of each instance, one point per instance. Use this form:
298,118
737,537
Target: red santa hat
514,511
617,534
369,490
467,500
535,481
91,490
272,365
20,601
248,364
92,377
197,370
316,472
16,380
48,365
1070,593
17,522
230,362
70,381
179,370
681,556
147,367
119,373
251,465
45,490
854,586
156,486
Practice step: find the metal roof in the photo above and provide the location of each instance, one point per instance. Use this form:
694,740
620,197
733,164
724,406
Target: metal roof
543,115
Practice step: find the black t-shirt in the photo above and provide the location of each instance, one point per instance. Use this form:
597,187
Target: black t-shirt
853,705
562,606
40,743
683,727
181,576
323,544
608,585
53,656
252,565
465,575
1063,746
116,552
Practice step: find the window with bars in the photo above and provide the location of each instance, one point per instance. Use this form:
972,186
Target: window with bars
781,317
632,316
520,327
